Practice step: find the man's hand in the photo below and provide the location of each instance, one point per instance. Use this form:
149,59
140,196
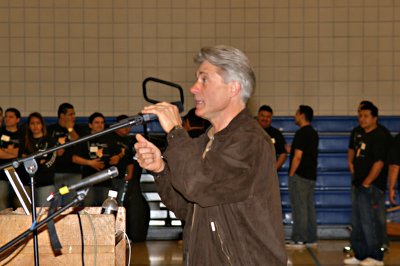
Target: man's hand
168,115
148,155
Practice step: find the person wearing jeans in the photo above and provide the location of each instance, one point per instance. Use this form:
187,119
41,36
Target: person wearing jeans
301,193
302,177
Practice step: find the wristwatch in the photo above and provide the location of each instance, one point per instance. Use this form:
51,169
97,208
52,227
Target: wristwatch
175,128
171,134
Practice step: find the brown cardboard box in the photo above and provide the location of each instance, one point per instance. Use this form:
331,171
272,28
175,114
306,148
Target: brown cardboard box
99,232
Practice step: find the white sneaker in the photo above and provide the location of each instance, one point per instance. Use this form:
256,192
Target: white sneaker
371,262
295,245
312,245
351,261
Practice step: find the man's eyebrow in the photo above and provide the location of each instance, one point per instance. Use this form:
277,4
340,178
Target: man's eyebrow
201,73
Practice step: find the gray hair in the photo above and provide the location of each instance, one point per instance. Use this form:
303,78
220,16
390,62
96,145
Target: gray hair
234,66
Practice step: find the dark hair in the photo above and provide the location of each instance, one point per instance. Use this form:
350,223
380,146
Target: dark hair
365,102
1,109
371,107
29,135
266,108
95,115
63,108
15,111
307,111
120,117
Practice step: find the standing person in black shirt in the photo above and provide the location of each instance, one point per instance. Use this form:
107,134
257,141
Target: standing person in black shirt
95,155
394,167
302,177
356,136
369,183
65,130
264,118
357,133
1,117
36,140
10,141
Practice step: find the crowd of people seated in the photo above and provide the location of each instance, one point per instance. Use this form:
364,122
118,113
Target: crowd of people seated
67,166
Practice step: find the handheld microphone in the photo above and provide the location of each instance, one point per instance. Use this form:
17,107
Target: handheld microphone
136,120
91,180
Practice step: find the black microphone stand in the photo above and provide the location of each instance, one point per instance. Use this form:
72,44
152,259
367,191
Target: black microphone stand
31,166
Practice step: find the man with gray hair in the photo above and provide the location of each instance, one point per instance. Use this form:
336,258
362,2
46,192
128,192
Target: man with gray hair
223,183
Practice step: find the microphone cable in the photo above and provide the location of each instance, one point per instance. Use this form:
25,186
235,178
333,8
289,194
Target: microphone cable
82,239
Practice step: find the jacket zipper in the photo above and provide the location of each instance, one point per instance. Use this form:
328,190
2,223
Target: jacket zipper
214,228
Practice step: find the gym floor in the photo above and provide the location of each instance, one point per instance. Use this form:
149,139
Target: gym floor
328,252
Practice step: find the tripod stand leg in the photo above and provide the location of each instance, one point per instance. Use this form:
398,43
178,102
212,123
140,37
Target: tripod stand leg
35,235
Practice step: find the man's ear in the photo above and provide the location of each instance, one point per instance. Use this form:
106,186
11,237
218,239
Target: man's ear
235,88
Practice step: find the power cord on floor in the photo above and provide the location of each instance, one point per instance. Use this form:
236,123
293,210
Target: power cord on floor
82,239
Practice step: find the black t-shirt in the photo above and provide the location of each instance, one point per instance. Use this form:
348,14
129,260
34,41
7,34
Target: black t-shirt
370,148
64,163
8,138
102,147
278,140
124,143
394,152
355,136
46,164
357,133
306,139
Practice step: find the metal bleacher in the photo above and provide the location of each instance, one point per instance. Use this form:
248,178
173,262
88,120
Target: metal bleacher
333,185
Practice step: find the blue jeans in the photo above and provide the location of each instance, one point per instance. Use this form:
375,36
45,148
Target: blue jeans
367,235
301,193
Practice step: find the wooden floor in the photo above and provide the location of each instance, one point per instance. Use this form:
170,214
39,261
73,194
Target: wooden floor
329,252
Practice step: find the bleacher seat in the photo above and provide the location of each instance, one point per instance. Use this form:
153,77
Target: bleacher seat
328,216
334,124
325,180
326,162
324,199
328,143
333,185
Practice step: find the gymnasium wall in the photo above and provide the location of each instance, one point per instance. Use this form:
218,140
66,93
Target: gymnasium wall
329,54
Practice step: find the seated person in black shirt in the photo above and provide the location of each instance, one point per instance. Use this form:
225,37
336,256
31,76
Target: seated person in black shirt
95,155
66,130
10,141
264,118
37,140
